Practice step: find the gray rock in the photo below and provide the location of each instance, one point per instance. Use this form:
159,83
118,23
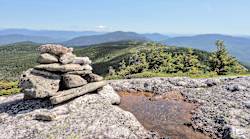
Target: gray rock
247,104
82,72
109,94
236,87
39,84
82,60
212,82
44,115
238,132
88,116
55,49
67,58
93,77
76,92
47,58
72,81
60,68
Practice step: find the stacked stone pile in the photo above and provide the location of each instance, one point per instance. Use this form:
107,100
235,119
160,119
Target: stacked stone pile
64,78
60,76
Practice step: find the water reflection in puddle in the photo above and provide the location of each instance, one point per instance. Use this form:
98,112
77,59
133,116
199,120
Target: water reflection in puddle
168,115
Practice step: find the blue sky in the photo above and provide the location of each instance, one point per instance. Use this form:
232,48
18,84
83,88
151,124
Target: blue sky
163,16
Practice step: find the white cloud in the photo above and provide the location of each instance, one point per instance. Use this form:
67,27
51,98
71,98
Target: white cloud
101,27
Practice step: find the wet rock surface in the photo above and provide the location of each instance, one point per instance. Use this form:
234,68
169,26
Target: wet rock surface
169,115
223,110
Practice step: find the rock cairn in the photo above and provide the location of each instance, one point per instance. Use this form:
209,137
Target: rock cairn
61,75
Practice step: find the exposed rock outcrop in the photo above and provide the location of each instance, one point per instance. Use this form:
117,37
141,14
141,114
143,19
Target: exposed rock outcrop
88,116
224,102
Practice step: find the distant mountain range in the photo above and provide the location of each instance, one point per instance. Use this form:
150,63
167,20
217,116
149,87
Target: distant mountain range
52,34
9,36
109,37
237,46
156,36
14,38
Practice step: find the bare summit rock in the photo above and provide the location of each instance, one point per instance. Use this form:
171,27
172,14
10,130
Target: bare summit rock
88,117
60,68
67,58
82,60
47,58
72,81
55,49
39,84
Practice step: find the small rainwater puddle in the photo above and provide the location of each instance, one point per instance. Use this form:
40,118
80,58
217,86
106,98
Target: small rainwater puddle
168,115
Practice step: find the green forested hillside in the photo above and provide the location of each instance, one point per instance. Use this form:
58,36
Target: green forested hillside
18,57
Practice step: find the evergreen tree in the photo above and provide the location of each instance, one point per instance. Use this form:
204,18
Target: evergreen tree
222,63
191,63
155,58
168,64
122,65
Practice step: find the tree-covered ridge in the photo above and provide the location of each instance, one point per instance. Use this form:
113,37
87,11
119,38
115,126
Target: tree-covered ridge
170,60
18,57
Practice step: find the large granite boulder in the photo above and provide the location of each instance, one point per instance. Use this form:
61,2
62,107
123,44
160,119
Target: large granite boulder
72,81
89,116
56,67
55,49
47,58
39,84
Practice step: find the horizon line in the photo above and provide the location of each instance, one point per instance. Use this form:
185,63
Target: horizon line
100,31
